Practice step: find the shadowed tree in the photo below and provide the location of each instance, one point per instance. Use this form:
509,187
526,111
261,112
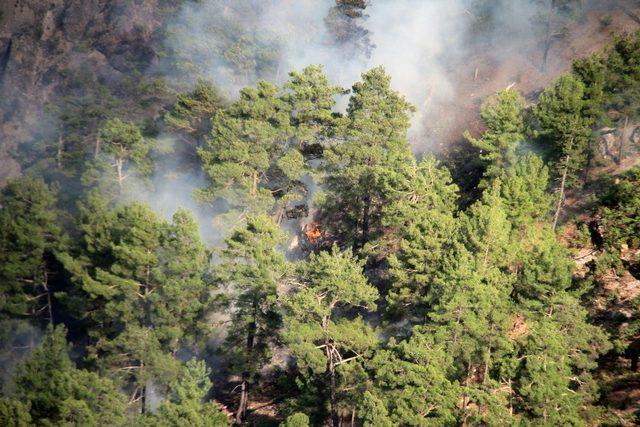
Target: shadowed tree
374,145
623,83
251,268
318,337
503,117
56,393
554,22
564,125
141,286
344,22
31,238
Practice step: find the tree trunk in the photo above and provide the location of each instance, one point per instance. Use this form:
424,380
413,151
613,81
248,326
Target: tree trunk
143,401
254,184
510,398
244,387
331,369
561,196
353,417
146,291
49,305
587,168
96,149
623,136
119,163
242,407
548,37
366,218
486,367
60,150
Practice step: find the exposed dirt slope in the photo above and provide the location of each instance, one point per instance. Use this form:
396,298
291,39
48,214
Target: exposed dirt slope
40,41
493,68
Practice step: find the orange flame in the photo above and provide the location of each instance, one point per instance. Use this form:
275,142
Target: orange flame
313,232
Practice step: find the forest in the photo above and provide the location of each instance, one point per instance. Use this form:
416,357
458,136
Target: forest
266,247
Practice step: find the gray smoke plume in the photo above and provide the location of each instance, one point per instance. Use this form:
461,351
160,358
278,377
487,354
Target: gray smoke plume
420,43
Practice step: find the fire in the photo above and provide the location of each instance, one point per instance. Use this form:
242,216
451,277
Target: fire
313,231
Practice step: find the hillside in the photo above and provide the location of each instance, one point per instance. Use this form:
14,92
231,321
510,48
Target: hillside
319,213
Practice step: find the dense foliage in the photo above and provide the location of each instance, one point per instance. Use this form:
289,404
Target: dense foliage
406,308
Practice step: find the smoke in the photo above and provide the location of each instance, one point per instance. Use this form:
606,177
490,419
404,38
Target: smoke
445,56
174,181
422,44
18,338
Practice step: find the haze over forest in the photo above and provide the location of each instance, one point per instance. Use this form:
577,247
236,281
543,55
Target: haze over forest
319,213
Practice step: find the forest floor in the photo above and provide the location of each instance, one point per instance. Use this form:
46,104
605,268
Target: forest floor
494,68
610,303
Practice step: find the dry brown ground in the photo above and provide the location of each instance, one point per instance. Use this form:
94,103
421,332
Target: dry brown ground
520,67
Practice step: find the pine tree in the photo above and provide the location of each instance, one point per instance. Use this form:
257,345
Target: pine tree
79,115
312,98
503,117
246,140
140,283
31,239
251,269
374,144
623,82
411,384
620,212
567,129
344,22
423,220
191,114
56,393
319,339
183,297
259,146
124,142
473,306
543,266
14,413
296,420
561,348
185,405
524,190
593,72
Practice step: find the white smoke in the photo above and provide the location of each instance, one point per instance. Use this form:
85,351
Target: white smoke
419,42
234,43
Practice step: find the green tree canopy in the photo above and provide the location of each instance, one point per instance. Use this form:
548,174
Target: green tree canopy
565,129
319,339
56,393
503,117
251,269
375,145
192,111
185,405
253,157
524,190
140,281
124,142
31,238
424,217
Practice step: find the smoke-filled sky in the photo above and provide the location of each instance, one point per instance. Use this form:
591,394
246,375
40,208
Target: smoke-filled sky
417,41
